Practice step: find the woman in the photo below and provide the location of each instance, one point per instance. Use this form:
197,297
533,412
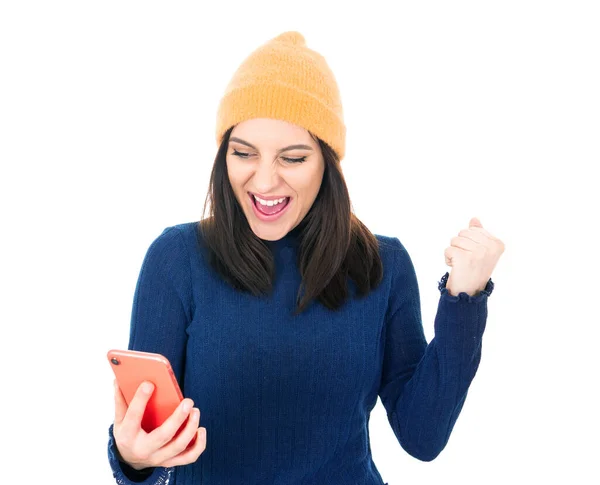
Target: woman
283,316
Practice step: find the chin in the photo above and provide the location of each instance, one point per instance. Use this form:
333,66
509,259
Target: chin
270,231
270,234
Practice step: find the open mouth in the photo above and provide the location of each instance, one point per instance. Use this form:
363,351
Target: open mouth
269,208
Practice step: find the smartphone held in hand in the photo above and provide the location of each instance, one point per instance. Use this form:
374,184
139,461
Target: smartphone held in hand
132,367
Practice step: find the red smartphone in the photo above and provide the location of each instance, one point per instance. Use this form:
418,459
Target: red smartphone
131,368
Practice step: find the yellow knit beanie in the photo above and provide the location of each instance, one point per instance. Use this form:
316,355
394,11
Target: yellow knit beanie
283,79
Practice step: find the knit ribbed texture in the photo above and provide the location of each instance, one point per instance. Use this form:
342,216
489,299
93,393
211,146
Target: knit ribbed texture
287,399
284,79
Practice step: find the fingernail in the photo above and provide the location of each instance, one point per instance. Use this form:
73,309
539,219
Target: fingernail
187,405
147,387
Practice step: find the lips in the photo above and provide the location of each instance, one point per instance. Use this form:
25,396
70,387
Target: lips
271,209
269,213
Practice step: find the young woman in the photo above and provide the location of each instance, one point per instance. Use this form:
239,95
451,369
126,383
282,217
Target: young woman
283,316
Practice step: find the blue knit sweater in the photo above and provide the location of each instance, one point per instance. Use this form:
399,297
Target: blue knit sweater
287,399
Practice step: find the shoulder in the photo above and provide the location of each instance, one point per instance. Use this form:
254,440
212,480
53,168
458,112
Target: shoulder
390,247
188,231
387,242
167,263
169,251
185,235
394,255
168,242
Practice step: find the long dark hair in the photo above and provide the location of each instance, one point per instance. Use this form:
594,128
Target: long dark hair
333,243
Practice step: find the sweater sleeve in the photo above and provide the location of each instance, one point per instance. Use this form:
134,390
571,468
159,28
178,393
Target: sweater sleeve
161,311
424,386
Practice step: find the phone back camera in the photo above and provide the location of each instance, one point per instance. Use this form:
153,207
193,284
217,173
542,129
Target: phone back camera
115,361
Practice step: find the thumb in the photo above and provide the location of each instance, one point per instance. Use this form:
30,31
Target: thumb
474,222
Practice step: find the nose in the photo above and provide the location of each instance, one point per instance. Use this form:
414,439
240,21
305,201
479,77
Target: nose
265,177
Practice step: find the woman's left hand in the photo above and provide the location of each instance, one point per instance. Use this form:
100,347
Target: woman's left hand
472,254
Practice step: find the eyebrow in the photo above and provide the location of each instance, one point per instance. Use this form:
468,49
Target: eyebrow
291,147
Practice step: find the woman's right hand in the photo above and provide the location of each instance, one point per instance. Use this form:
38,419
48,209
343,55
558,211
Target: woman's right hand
158,448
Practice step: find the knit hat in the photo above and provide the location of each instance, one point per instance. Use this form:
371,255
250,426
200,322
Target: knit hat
283,79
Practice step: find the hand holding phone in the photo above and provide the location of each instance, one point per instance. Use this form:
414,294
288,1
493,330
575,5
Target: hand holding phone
150,427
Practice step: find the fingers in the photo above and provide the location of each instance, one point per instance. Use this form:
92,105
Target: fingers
169,443
132,421
165,432
192,454
120,404
463,243
474,235
483,231
181,442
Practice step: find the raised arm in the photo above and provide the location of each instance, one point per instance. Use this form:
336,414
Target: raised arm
424,386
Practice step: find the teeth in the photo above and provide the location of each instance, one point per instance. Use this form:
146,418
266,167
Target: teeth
269,202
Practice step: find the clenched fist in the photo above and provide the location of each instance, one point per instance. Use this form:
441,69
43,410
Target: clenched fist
473,255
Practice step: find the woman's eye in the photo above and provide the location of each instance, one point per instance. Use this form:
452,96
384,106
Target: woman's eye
294,160
240,154
287,159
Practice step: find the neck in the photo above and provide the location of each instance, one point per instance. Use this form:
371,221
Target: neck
291,239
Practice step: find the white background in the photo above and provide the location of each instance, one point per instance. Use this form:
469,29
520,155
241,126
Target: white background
453,110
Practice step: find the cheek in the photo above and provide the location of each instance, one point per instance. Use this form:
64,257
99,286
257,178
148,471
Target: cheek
312,184
236,175
306,190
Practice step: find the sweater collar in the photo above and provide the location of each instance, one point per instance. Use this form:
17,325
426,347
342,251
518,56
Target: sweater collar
290,240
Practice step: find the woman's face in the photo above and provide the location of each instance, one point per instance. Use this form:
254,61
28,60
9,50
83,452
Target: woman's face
273,160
